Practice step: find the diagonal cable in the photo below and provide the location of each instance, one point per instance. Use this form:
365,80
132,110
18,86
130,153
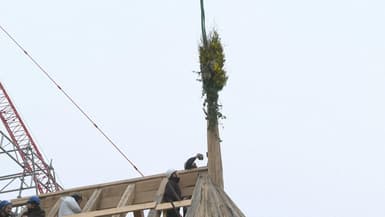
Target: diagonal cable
72,101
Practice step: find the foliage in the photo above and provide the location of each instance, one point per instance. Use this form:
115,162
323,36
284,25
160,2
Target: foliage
213,75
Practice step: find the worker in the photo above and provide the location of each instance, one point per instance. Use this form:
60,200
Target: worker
6,209
190,163
172,192
70,205
34,209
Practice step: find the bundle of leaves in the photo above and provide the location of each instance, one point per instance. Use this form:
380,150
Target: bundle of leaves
213,75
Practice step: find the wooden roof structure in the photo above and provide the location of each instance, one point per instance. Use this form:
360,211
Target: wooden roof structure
140,196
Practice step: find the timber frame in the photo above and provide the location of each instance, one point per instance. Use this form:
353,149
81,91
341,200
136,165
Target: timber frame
117,199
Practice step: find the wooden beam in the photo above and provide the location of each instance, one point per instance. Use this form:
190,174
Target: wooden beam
53,211
133,208
119,210
138,181
127,198
214,156
168,205
158,198
194,210
109,196
92,202
146,190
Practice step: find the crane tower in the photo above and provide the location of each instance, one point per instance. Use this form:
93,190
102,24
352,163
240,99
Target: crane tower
34,172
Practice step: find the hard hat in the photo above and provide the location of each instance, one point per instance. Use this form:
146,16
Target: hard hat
4,203
169,172
34,200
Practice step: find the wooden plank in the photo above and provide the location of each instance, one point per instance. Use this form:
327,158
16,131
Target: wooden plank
148,185
146,191
128,195
181,203
92,201
55,208
158,198
119,210
127,198
111,196
145,197
188,179
187,191
109,202
195,210
214,156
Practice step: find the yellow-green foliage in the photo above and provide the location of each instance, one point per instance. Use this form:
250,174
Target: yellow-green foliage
212,61
213,75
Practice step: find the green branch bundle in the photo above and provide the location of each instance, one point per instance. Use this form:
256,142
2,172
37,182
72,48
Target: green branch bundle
213,75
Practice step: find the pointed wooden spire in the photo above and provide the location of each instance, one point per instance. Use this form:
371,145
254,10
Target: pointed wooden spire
211,201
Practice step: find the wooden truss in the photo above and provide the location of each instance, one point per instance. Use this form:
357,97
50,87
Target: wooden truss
144,195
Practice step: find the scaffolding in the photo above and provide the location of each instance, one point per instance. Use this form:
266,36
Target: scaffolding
32,171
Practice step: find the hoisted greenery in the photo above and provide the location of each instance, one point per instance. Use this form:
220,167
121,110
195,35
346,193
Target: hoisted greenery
213,75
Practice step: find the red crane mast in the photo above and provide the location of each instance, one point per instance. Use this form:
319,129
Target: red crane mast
31,158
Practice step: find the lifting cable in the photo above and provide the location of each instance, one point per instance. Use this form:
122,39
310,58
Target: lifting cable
72,101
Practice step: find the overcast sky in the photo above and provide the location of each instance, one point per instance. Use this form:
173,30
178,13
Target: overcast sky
305,128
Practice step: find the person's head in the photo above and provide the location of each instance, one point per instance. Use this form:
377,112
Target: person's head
77,197
199,156
171,174
33,202
6,206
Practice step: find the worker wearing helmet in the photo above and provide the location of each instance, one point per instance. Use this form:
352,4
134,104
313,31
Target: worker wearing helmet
172,192
190,163
70,205
6,209
34,209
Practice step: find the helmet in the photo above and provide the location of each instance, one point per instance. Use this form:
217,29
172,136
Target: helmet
34,200
169,172
4,203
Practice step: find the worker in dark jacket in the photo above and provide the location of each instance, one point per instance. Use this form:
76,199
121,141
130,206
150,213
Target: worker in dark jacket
190,163
6,209
34,210
172,192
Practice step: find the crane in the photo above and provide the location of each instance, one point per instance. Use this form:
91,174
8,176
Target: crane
24,151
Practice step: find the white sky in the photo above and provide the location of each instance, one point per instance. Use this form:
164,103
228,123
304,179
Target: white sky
305,128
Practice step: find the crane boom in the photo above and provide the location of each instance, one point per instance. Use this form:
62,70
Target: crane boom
31,158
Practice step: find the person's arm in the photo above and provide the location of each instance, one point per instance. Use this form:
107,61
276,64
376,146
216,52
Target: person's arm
189,163
73,205
170,193
173,192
